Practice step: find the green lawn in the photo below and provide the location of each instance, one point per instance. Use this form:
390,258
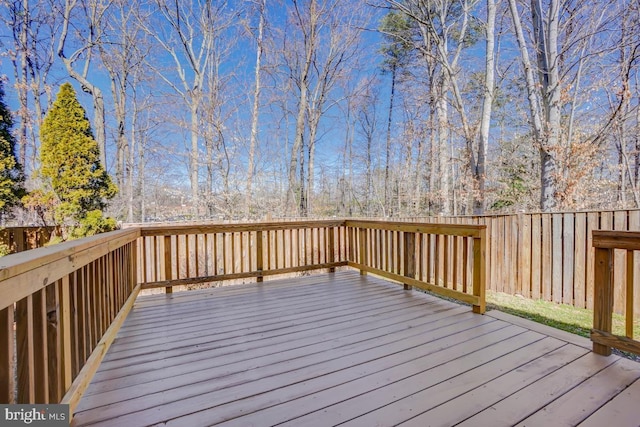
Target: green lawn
576,320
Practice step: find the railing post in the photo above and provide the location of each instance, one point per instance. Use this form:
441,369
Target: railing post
259,261
480,271
603,296
409,257
167,263
362,237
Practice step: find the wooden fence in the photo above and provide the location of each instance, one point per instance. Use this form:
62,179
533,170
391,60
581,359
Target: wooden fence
606,243
550,256
19,239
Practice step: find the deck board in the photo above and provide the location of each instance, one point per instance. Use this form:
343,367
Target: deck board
344,348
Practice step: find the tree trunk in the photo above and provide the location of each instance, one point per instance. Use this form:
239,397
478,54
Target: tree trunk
442,112
194,164
254,113
387,161
487,105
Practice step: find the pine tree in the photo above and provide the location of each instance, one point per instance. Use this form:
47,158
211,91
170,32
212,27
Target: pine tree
11,177
70,165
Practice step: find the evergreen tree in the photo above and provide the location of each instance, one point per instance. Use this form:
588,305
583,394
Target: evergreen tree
11,177
71,168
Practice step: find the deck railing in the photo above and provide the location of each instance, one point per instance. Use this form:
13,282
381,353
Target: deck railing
61,306
194,254
59,309
622,249
446,259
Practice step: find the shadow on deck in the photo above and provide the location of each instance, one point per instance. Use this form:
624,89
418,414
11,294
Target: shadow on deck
345,348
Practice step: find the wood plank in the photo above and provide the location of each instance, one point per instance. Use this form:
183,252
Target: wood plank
573,407
634,225
332,405
528,400
524,276
580,260
603,299
309,348
40,368
7,362
568,262
557,259
228,370
623,410
478,389
536,256
32,270
619,279
25,351
230,388
398,401
593,223
546,258
74,393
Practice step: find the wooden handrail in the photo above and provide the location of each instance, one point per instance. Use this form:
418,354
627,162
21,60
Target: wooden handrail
57,306
194,254
605,243
434,257
33,270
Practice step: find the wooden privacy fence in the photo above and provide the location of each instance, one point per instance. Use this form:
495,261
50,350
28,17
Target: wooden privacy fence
550,256
608,246
60,307
19,239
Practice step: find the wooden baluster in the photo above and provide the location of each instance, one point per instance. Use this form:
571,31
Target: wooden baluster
603,297
167,263
25,353
65,332
629,315
409,266
332,248
7,364
362,237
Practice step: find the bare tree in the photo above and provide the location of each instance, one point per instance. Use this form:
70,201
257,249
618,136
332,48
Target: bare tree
320,43
262,4
32,53
187,31
90,15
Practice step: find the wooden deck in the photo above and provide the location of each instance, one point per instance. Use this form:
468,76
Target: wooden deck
343,348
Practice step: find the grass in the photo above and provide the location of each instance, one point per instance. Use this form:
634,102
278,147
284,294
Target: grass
561,316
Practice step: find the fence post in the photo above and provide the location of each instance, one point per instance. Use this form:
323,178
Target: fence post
480,270
409,259
603,297
362,237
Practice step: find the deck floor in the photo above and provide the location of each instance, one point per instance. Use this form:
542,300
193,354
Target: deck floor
343,348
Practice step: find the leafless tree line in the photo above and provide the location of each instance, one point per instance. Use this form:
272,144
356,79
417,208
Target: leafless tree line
236,109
